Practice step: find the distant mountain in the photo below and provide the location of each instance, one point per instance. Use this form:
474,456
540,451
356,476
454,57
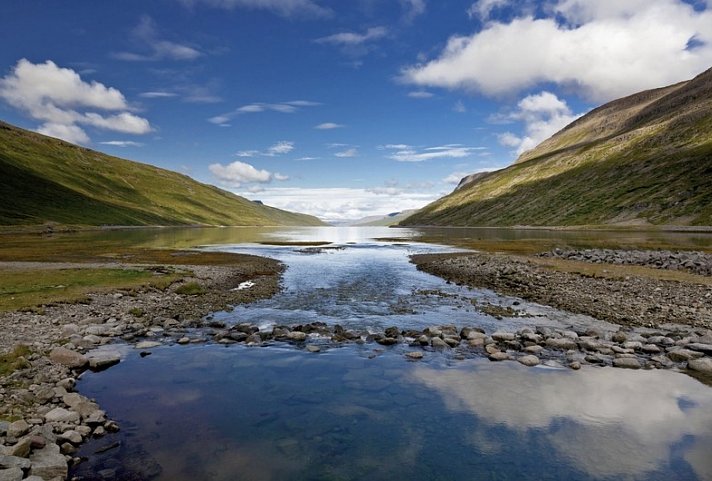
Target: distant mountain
643,159
383,220
43,179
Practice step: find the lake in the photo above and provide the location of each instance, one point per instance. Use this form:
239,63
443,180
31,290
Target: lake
364,412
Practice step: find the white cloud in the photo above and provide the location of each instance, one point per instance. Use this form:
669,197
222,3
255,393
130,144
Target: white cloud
157,94
285,8
280,148
258,107
352,152
459,107
70,133
247,153
483,8
342,203
420,94
307,158
122,143
146,34
328,126
455,177
60,99
413,8
352,38
603,50
407,153
237,173
543,115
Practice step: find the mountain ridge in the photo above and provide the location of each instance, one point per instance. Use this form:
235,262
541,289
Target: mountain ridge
48,180
642,159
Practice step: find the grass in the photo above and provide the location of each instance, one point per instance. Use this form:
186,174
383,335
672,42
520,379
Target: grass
191,289
14,360
76,185
642,160
26,289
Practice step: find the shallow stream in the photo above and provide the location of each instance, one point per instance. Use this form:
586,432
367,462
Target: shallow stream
364,412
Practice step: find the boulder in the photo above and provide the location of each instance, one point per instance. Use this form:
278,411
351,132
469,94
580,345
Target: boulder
503,336
61,415
498,356
103,359
11,474
48,463
18,428
626,363
563,343
8,462
529,360
68,358
703,365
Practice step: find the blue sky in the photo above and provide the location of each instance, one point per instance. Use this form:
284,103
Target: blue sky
338,108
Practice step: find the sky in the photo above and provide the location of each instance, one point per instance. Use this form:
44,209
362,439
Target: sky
337,108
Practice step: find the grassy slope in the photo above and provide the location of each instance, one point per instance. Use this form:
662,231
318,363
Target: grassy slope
644,159
48,180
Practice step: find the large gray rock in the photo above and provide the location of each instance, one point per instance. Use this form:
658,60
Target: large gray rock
529,360
48,463
703,365
564,343
61,415
103,359
7,462
68,358
296,336
18,428
438,343
682,355
503,336
626,363
11,474
499,356
698,346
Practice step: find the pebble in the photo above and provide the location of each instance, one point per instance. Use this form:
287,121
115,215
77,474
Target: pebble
414,355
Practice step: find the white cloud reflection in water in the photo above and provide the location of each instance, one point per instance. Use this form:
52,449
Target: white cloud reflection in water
607,422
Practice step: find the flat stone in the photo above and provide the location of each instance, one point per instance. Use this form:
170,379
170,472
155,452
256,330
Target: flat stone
503,336
529,360
48,463
103,359
71,436
21,449
7,462
98,330
564,343
651,349
73,399
499,356
452,341
18,428
147,344
183,340
626,363
703,365
313,348
533,349
297,336
697,346
61,415
633,345
414,355
11,474
68,358
682,355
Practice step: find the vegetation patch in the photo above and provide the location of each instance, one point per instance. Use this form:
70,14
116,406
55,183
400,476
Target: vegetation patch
191,289
14,360
23,289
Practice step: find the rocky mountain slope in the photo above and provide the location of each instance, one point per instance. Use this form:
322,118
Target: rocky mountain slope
43,179
640,160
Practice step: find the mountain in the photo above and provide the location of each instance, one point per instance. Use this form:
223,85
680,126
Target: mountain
43,179
643,159
383,220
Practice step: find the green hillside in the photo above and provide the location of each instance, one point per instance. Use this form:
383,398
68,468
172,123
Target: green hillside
43,179
644,159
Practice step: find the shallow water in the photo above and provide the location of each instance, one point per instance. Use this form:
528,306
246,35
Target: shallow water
363,412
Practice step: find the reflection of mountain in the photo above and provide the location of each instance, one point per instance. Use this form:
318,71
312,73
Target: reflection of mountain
608,422
383,220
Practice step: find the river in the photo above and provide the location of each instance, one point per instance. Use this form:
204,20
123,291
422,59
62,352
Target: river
364,412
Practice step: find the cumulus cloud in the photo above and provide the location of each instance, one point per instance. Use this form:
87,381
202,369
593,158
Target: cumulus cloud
603,50
60,99
543,115
237,173
258,107
285,8
407,153
353,38
352,152
146,34
338,204
328,126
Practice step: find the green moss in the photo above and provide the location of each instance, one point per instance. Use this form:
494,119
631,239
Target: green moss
12,361
190,289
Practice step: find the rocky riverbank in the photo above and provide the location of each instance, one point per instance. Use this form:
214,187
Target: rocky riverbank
696,262
628,300
42,421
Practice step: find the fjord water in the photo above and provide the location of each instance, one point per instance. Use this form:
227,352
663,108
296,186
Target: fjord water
363,412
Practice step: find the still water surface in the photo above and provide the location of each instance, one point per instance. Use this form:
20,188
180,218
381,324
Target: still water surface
364,412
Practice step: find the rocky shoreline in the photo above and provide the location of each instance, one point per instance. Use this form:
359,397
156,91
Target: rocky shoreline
46,421
42,419
627,301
